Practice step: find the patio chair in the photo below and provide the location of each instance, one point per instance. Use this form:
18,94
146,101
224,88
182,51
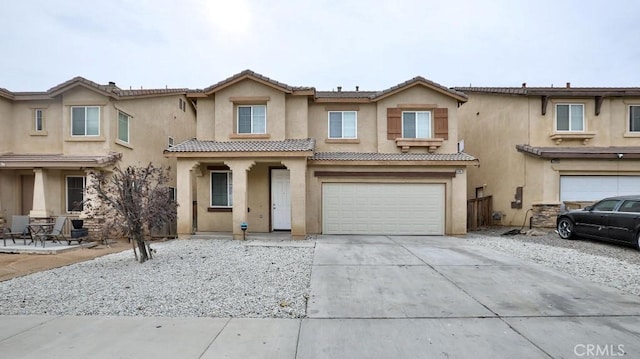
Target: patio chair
56,233
18,230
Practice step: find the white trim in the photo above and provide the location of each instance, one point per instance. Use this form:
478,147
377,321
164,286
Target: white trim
629,119
85,120
35,124
252,131
343,137
430,134
66,188
229,189
555,115
128,141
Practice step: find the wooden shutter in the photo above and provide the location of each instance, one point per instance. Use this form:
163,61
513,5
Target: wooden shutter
394,123
441,123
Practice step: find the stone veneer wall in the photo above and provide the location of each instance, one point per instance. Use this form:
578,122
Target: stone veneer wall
544,215
94,225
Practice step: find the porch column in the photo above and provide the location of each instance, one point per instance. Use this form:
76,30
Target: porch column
39,195
298,180
239,169
184,196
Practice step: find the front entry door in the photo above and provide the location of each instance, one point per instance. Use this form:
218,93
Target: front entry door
280,200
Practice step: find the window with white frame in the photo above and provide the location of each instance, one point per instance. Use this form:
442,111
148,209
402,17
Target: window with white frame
343,124
171,142
85,121
75,193
123,126
416,124
634,118
39,119
569,117
252,119
221,189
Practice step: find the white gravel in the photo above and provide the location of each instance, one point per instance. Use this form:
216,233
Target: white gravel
186,278
610,264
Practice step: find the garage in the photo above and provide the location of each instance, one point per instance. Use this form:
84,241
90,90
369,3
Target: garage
383,208
592,188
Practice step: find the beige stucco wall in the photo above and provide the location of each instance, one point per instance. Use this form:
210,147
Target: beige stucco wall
366,127
297,117
153,120
423,96
225,110
492,125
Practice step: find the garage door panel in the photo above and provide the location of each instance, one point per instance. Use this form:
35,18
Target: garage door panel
593,188
383,208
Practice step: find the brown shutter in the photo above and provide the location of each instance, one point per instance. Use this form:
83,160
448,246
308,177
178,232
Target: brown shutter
441,123
394,123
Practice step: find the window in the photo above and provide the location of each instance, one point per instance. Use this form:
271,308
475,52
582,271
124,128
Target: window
39,119
570,117
221,189
171,142
416,124
172,194
75,193
634,118
123,126
85,121
630,206
606,205
252,119
343,124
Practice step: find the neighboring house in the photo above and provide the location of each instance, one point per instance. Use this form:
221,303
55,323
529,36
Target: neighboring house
279,157
542,149
52,142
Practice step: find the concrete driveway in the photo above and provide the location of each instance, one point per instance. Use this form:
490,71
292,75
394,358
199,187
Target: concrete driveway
376,297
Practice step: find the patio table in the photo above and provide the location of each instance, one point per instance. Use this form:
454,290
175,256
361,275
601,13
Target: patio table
39,231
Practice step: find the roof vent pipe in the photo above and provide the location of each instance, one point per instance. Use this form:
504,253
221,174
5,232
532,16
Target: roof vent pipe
339,88
568,84
357,88
524,85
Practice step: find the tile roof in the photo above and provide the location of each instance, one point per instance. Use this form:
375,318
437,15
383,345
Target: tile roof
12,160
255,75
108,90
195,145
612,152
555,91
375,95
360,156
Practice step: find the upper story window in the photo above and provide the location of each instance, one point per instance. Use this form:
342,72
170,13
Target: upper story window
171,142
39,120
634,118
123,126
221,189
343,124
570,117
85,121
252,119
416,124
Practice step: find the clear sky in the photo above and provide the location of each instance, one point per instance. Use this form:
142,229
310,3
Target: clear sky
374,44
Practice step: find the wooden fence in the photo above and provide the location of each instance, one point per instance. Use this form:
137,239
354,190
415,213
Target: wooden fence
479,212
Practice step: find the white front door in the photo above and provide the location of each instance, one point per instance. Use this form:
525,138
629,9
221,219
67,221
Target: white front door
280,200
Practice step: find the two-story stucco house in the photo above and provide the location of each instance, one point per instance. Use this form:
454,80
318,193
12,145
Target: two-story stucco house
278,157
51,142
545,148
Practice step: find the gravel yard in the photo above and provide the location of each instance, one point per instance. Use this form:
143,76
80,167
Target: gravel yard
226,278
611,264
186,278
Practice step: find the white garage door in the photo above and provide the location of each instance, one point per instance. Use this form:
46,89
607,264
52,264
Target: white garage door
383,208
592,188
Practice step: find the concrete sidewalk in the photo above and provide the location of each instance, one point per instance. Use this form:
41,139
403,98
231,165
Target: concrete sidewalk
375,297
